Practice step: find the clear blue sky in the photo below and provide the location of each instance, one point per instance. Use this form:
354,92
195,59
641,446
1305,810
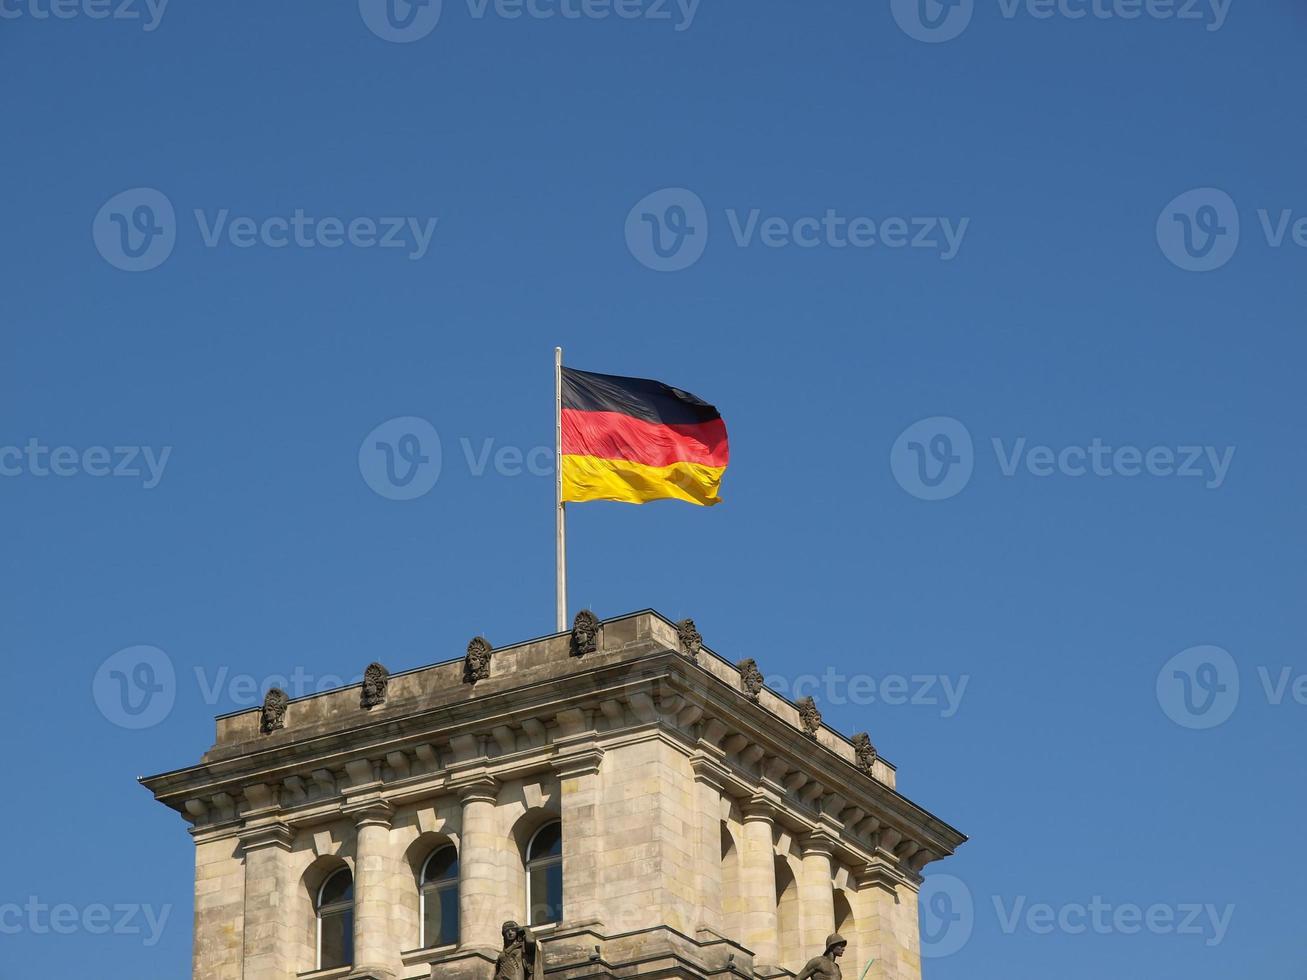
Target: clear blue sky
1062,318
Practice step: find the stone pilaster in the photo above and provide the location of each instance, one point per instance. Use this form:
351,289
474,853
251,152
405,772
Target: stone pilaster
708,862
482,902
758,883
885,898
376,952
269,903
816,896
577,769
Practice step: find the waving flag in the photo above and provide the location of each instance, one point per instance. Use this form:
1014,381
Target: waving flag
634,440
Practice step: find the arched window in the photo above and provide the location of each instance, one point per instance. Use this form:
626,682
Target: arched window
544,875
439,890
335,911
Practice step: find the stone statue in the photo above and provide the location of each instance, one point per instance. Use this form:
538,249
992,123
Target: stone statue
476,665
375,681
585,633
750,678
521,958
864,751
825,966
809,715
691,641
273,716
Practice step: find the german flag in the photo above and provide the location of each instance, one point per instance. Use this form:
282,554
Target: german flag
634,440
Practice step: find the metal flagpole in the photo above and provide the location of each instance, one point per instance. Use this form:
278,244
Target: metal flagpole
560,519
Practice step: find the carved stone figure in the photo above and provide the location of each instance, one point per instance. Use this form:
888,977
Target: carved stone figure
809,716
864,751
476,666
521,958
691,641
750,678
585,633
826,966
274,711
376,679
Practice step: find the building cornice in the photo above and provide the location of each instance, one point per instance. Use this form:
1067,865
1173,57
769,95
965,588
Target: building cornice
560,726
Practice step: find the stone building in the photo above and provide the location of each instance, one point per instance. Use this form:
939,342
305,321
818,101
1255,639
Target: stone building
646,806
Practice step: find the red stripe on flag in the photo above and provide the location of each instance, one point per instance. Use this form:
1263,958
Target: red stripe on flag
612,435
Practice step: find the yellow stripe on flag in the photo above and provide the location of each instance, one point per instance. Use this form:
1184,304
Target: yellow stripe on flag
593,478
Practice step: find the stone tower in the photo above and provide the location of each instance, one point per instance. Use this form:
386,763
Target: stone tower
644,805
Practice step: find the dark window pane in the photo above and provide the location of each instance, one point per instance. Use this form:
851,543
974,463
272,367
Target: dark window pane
442,864
337,939
449,914
548,842
440,916
546,894
338,888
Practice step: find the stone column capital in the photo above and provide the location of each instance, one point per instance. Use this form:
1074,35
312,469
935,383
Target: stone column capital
275,834
760,807
817,842
373,812
476,788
